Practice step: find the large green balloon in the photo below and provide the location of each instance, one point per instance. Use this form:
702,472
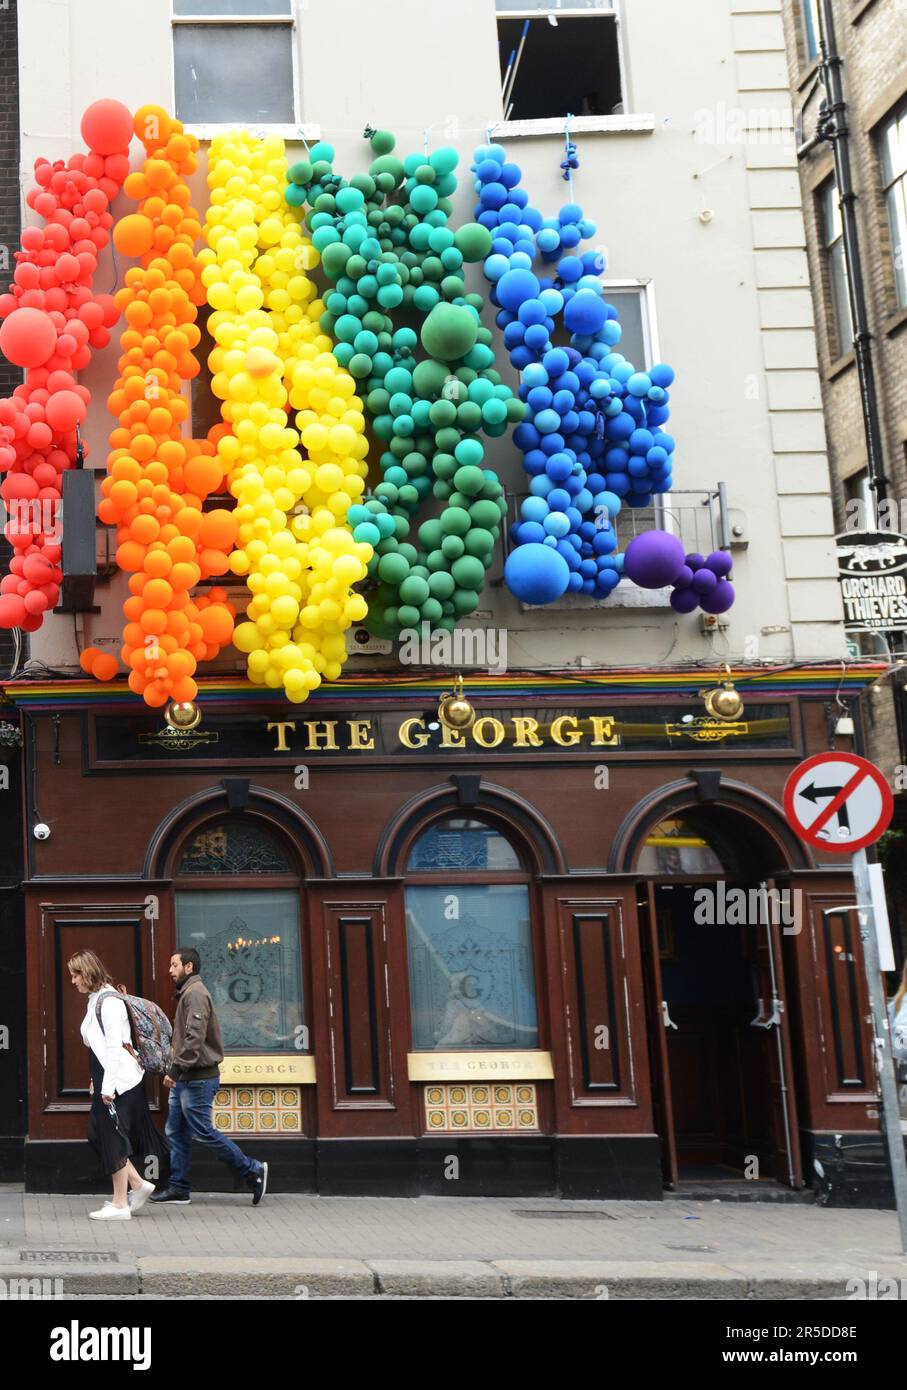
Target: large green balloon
449,331
429,376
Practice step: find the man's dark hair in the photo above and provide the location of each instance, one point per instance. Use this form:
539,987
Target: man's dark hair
189,956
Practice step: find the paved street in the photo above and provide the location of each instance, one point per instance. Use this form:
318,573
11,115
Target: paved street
489,1247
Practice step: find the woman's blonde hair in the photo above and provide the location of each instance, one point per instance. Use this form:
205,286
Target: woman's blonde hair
902,990
92,969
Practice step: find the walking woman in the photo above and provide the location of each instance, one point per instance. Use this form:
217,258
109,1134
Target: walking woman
120,1125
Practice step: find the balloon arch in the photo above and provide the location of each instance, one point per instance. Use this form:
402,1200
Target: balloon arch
387,344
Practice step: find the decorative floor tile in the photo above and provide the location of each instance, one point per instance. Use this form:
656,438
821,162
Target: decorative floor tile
482,1107
258,1110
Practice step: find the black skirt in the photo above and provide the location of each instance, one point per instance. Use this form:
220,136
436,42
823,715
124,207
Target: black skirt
131,1136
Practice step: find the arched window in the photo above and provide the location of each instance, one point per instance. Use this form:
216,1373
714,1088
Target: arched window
469,936
689,844
237,903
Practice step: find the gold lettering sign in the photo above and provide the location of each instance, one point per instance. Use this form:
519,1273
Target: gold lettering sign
472,1066
270,1070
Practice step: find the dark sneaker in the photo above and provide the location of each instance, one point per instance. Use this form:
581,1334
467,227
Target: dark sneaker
258,1184
173,1195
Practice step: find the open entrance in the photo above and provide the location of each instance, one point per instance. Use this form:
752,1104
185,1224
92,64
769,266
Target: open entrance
712,929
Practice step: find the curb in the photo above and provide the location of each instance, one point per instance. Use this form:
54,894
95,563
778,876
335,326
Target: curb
169,1276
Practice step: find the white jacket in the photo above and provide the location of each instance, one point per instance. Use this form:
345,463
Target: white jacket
121,1070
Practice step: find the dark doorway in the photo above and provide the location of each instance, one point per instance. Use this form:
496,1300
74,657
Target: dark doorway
715,1044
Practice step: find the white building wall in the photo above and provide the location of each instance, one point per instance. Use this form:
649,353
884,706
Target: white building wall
734,314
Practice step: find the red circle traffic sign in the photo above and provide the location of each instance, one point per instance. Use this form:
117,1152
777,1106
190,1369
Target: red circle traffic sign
838,802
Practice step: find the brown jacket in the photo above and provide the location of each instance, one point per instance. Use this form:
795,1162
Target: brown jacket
197,1046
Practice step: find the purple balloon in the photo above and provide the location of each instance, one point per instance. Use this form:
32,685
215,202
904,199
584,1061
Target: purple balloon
684,577
695,561
653,559
704,581
720,599
720,563
684,600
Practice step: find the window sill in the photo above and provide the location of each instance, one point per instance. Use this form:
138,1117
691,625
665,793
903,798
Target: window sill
624,597
207,132
840,366
895,322
860,10
807,74
579,125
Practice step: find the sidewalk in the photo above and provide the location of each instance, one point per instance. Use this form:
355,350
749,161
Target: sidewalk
309,1246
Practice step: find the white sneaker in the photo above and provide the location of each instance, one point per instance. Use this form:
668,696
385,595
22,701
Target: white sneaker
138,1199
111,1213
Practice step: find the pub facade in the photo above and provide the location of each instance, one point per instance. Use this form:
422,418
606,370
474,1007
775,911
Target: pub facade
575,949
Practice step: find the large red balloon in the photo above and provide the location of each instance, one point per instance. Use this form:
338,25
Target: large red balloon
13,612
28,338
64,410
107,126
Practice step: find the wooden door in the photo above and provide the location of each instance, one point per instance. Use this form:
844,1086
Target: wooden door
656,1026
777,1056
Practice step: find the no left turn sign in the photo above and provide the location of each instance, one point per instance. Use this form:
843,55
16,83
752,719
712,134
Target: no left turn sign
838,801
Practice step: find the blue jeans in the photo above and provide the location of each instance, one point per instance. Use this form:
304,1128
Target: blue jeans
188,1117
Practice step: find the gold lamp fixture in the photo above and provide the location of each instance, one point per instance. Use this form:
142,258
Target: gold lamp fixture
723,701
454,710
183,715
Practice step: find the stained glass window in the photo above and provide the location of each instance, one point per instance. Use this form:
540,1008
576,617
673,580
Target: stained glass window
235,847
460,843
249,943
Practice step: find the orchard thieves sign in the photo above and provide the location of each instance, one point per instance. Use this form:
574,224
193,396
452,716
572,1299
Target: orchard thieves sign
872,569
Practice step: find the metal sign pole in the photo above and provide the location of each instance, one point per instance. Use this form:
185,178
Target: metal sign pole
882,1040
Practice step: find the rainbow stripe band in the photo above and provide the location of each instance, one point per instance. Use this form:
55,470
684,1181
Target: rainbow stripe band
823,679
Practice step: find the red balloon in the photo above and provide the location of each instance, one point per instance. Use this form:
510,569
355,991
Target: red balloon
13,612
35,602
64,410
28,338
106,127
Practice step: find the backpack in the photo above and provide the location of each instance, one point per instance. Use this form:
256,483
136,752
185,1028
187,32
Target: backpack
150,1028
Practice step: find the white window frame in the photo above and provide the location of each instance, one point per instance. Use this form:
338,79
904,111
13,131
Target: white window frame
207,130
641,124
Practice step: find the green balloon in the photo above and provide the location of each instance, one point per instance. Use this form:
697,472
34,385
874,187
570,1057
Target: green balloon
360,365
484,514
382,141
455,522
468,572
442,413
469,415
301,172
449,332
441,584
469,480
393,569
452,547
465,601
430,534
431,610
408,616
479,542
437,561
429,377
414,590
444,160
387,164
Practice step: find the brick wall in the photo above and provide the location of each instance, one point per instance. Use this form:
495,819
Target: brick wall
10,219
872,40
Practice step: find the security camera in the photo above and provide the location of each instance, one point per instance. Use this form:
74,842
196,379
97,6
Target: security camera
41,831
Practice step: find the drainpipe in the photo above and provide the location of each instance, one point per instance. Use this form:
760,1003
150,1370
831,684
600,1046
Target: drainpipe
832,129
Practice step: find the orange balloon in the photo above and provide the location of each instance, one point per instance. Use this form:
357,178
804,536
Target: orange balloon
203,475
130,555
104,667
185,689
133,235
87,658
153,620
144,529
158,564
216,625
157,593
185,575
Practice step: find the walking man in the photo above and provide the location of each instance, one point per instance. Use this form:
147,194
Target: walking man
193,1080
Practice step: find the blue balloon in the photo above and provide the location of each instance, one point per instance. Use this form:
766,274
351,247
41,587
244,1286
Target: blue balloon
585,313
534,509
536,574
516,286
557,524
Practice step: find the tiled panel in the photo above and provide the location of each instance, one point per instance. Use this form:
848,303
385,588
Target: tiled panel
258,1110
481,1108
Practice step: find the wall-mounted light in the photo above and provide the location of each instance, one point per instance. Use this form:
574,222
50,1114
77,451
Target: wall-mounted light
454,710
183,715
723,701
